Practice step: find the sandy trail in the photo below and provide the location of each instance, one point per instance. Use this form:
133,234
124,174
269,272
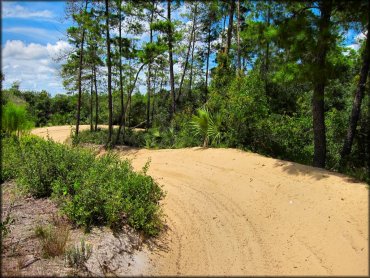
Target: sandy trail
60,133
231,212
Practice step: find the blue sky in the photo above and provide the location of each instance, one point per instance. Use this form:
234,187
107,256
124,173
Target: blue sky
44,21
33,34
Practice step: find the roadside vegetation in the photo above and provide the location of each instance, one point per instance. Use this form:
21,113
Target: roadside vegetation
90,190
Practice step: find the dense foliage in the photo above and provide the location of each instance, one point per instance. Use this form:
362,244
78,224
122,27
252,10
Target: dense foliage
90,190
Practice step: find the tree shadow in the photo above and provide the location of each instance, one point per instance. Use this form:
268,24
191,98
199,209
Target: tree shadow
161,241
296,169
127,150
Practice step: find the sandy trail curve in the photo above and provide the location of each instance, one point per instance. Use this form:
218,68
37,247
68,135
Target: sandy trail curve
231,212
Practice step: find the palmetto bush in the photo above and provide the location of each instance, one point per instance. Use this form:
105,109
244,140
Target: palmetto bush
207,126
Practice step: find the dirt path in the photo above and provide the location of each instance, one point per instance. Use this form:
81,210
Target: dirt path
59,133
236,213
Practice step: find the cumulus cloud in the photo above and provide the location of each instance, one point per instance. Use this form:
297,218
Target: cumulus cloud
11,10
34,65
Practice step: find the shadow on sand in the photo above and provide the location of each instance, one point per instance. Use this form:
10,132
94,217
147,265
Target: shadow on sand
297,169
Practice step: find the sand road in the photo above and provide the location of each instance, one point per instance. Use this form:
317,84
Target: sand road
231,212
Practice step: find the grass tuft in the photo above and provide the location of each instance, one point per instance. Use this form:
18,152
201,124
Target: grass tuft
53,238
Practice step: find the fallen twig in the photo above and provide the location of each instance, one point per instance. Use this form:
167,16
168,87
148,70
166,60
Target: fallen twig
29,262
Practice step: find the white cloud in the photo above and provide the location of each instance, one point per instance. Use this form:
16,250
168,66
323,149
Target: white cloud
11,10
358,40
354,46
177,69
33,65
360,37
183,9
36,33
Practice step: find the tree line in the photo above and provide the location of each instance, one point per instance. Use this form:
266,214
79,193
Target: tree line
276,77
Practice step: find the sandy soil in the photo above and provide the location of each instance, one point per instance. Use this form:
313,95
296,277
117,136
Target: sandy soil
62,133
59,133
231,212
113,254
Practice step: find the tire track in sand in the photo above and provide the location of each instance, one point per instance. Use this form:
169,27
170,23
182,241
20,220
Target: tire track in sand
236,213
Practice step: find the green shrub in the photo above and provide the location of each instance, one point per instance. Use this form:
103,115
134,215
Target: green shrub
174,136
132,138
76,256
94,137
14,118
40,165
11,160
284,137
90,190
115,194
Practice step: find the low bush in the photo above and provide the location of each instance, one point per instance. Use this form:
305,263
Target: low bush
179,134
94,137
90,190
11,160
77,256
42,164
132,138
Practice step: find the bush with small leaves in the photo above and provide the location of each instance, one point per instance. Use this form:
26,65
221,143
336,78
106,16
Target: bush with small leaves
77,256
90,190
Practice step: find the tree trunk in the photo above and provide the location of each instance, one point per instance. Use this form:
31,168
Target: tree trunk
238,40
356,108
91,99
110,107
122,115
267,53
128,104
80,77
223,32
149,75
187,54
96,101
172,78
191,66
207,64
154,88
368,137
319,86
148,98
230,27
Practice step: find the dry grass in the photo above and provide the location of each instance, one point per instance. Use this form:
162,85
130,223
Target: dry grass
53,238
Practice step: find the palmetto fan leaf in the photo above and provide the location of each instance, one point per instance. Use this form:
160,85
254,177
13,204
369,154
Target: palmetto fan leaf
213,131
204,125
